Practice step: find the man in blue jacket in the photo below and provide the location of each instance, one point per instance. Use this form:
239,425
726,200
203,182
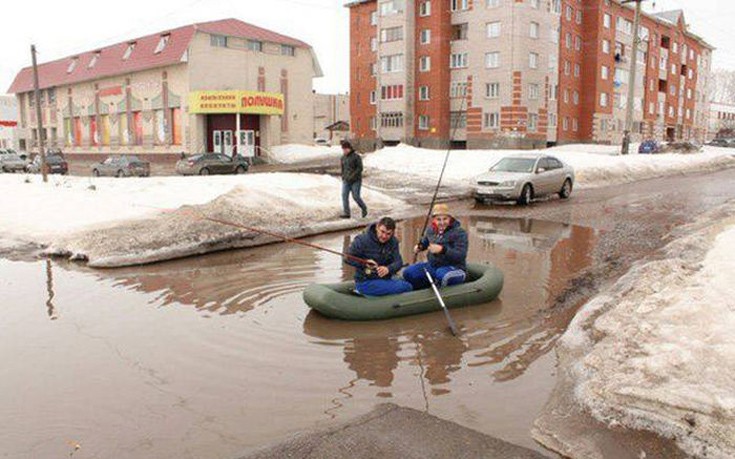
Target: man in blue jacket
446,242
380,247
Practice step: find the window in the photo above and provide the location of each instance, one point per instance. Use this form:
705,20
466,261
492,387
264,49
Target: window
603,99
691,74
492,120
373,18
493,29
373,97
52,96
94,60
553,61
621,76
689,93
565,123
425,9
566,96
576,70
604,72
458,120
533,91
424,63
129,50
624,25
579,16
533,31
567,68
72,65
288,50
423,122
458,60
219,41
533,60
423,93
575,98
373,44
569,12
392,63
425,36
675,48
492,3
254,45
552,119
391,119
391,92
606,46
606,21
553,91
458,5
391,34
532,121
577,43
162,42
459,32
492,60
554,35
556,6
575,124
568,40
391,7
535,4
492,90
457,89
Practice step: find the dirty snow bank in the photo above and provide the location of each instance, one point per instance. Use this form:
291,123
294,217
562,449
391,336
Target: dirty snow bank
294,153
594,165
658,351
114,225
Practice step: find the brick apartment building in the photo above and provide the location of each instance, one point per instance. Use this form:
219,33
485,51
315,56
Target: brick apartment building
223,86
521,73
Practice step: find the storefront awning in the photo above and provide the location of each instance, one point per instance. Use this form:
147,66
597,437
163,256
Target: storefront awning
253,102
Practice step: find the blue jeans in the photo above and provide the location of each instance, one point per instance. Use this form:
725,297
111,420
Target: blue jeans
443,277
381,287
353,188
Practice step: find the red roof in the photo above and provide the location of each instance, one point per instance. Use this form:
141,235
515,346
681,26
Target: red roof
110,61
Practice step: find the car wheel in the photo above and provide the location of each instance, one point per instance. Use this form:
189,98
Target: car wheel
96,173
526,195
120,174
204,171
566,189
240,170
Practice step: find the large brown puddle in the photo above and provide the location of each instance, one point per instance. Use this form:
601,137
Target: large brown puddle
212,356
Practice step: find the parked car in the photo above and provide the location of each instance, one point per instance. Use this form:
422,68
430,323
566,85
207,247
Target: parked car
212,163
730,143
649,146
122,166
322,142
12,162
524,177
680,147
55,164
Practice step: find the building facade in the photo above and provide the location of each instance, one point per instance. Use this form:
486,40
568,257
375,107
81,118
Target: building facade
331,113
721,120
521,73
8,122
223,86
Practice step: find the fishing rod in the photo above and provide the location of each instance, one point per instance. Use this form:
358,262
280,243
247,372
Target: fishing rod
441,175
268,233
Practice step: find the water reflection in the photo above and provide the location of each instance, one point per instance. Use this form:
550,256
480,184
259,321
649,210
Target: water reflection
50,309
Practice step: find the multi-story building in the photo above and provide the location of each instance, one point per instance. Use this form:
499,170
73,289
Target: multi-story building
223,86
521,73
8,122
721,120
331,116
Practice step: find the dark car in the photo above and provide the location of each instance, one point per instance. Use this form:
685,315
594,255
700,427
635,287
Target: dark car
730,143
212,163
122,166
649,146
55,164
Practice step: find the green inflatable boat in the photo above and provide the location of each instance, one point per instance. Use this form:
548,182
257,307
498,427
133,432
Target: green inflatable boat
340,301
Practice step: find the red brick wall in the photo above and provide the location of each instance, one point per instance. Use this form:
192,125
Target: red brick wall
361,58
570,82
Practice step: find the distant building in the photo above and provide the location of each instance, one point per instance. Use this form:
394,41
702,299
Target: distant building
331,117
721,120
8,122
223,86
521,73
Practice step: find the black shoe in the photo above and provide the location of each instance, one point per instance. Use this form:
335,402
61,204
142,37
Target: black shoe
364,213
344,216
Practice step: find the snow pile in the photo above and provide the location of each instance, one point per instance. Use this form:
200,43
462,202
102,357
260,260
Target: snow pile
658,351
114,225
594,165
294,153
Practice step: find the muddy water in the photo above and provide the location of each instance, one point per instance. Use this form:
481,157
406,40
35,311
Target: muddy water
213,356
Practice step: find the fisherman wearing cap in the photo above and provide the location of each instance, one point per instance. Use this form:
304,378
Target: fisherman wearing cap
446,242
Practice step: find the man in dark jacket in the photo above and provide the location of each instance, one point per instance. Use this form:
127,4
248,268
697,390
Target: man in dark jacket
379,246
351,179
446,242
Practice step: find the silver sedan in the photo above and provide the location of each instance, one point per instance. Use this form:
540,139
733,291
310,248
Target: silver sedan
524,177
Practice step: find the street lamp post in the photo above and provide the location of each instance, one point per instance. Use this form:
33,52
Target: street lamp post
631,77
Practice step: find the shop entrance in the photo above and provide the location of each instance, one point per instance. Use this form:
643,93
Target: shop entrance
224,138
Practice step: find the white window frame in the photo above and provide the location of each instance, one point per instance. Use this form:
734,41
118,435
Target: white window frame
424,63
425,36
604,72
491,120
492,60
493,29
492,90
425,9
424,122
424,93
458,60
534,30
533,60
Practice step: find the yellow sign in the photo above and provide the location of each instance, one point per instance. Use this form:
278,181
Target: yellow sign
255,102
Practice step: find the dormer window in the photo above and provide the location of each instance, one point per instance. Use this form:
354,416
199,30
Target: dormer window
162,42
72,65
129,51
94,60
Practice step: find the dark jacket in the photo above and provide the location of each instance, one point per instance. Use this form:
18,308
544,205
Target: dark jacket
351,167
367,246
454,241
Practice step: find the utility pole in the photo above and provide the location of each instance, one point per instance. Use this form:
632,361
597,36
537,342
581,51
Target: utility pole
39,119
631,77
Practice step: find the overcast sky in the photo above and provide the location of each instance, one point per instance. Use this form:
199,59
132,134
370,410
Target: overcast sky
73,26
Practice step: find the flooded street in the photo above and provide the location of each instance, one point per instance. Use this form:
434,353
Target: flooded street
216,355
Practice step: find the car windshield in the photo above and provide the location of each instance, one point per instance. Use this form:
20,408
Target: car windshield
55,159
514,165
195,158
11,156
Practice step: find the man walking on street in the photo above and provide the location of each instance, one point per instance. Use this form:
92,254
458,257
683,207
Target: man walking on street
351,179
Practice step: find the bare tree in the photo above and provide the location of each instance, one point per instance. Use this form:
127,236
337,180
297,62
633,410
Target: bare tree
722,89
